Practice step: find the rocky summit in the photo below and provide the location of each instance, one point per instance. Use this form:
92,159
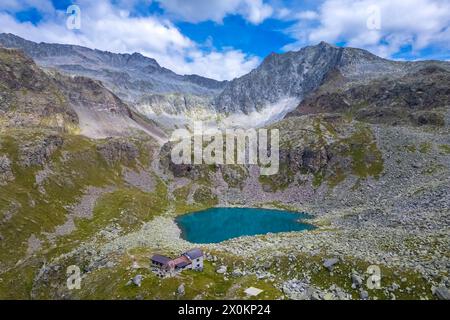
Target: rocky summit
86,177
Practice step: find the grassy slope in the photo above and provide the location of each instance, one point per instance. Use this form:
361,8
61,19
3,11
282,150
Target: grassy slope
75,166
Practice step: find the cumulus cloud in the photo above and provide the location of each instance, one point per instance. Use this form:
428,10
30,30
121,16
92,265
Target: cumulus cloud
105,27
414,23
227,63
44,6
255,11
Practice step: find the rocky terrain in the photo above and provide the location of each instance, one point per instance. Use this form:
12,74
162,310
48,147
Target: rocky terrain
366,153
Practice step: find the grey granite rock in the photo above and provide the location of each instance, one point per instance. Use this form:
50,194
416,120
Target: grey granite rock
137,280
330,263
442,293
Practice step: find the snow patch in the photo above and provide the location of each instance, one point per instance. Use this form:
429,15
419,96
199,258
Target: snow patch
268,115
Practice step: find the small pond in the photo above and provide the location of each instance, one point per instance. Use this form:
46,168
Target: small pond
219,224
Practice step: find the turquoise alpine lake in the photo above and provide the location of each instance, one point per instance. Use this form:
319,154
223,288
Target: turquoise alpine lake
220,224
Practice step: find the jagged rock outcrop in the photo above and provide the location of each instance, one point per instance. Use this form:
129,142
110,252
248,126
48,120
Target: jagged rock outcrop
39,151
175,103
91,94
118,150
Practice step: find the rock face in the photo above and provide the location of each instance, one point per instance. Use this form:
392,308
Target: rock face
92,95
279,76
173,103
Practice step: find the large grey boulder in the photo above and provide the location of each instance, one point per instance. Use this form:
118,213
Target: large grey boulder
356,280
442,293
222,270
137,280
181,290
237,273
330,263
364,295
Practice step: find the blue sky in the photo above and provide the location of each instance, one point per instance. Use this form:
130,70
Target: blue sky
225,39
235,32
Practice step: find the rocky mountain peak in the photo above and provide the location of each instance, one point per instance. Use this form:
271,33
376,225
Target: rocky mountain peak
326,44
139,58
280,76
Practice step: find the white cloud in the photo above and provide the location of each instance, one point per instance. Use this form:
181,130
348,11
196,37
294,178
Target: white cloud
228,64
307,15
106,28
43,6
255,11
282,13
417,23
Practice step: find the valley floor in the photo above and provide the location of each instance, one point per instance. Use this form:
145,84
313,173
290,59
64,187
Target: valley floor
108,205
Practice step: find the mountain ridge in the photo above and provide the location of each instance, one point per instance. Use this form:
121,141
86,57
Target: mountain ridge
126,74
297,74
33,97
267,93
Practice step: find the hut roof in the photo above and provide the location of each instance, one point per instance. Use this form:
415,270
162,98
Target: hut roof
194,253
160,259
